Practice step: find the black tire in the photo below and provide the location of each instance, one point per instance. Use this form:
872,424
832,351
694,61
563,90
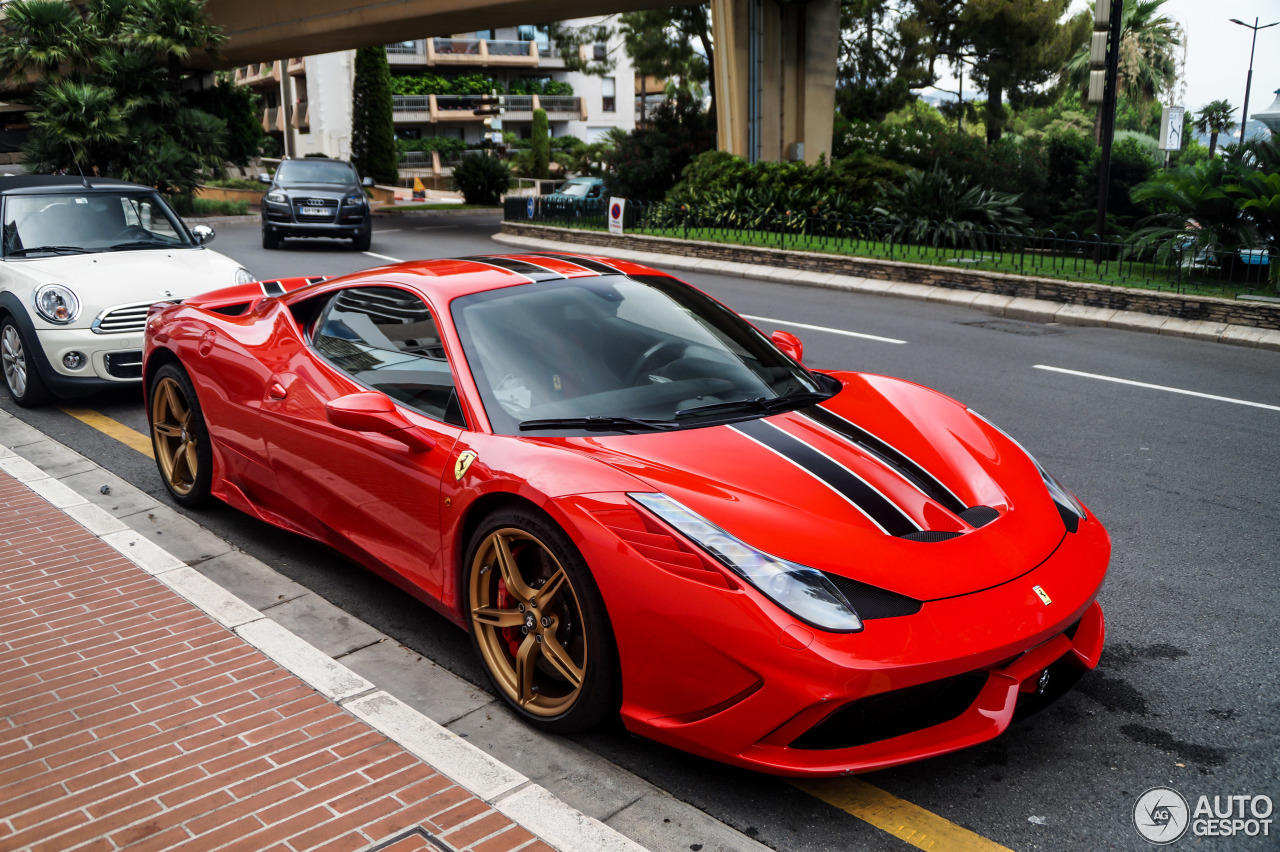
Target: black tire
18,363
270,240
179,437
363,241
565,639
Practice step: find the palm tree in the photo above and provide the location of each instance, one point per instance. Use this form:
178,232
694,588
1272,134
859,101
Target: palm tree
1214,118
1149,42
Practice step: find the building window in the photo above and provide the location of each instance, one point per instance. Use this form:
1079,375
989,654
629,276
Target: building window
488,35
600,52
608,94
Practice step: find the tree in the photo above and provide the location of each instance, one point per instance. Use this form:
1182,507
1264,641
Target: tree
240,109
1020,45
887,48
570,41
1150,45
373,129
661,43
109,95
1214,118
541,146
650,160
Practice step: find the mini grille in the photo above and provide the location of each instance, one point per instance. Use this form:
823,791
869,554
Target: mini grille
125,365
125,318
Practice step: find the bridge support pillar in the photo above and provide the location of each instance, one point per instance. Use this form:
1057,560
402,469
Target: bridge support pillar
775,74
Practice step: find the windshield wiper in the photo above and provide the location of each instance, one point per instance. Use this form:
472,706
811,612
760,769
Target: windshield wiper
50,249
768,405
597,422
139,244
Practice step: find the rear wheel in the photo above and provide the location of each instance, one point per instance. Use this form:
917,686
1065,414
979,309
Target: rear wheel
179,437
18,360
539,624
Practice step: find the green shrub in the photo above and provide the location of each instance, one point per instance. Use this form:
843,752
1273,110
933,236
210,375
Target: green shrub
481,179
944,209
541,147
650,160
186,206
237,183
443,144
373,130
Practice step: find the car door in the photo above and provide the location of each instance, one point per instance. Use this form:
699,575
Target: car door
373,494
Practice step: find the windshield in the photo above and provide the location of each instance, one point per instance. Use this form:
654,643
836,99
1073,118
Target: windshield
43,225
633,352
315,171
575,190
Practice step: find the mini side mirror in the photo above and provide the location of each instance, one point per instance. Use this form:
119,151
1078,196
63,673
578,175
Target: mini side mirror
203,234
789,344
366,181
374,412
264,178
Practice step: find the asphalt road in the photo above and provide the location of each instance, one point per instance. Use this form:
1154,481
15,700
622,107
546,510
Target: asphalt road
1188,486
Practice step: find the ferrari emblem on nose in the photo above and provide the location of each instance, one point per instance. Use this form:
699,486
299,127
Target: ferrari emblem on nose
1043,595
463,463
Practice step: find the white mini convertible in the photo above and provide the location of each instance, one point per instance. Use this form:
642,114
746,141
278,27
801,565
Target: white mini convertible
81,260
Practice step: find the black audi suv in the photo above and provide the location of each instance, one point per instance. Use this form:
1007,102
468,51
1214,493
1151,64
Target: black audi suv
315,197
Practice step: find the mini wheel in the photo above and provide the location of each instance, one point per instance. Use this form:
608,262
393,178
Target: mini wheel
539,624
179,437
18,361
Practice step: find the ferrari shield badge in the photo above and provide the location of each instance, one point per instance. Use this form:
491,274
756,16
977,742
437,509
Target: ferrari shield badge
1040,593
464,461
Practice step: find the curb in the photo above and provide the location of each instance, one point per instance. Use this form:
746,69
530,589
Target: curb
527,804
1010,307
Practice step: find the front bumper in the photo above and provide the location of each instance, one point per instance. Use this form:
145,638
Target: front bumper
725,674
349,222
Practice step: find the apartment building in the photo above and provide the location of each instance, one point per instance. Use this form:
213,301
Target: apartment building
307,100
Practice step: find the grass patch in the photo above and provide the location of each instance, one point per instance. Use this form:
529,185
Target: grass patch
238,183
1066,266
206,207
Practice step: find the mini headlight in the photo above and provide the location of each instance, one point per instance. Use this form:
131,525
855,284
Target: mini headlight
278,197
57,303
802,591
1064,498
244,276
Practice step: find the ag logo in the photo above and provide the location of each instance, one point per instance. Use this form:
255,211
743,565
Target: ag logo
463,463
1161,815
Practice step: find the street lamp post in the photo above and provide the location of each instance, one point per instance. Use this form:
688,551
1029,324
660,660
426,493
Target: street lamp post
1248,83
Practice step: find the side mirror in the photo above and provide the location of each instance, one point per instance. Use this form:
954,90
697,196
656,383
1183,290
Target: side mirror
368,181
374,412
203,234
264,178
789,344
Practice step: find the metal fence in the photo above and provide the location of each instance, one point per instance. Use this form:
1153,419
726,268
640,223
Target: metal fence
1175,266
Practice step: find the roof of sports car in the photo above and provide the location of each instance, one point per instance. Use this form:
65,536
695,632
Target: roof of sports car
450,278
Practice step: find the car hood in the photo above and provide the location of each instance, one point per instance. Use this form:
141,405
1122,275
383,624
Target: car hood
113,278
319,190
798,486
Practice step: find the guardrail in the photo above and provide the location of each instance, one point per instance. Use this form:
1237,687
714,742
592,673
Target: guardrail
1178,266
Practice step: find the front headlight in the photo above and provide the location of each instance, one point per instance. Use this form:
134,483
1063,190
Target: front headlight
804,592
244,276
278,197
1067,502
357,199
57,303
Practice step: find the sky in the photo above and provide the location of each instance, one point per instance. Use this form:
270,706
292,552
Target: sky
1217,51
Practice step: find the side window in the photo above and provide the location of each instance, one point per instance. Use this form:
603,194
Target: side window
386,338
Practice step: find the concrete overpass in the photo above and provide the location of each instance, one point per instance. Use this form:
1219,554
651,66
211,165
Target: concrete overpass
775,61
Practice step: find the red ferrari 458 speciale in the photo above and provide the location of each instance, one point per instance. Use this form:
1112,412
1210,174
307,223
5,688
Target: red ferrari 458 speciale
637,502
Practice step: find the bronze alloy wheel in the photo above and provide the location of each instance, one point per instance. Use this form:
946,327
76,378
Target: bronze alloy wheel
528,623
174,435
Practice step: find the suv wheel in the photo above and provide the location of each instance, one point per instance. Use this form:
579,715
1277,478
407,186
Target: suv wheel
270,240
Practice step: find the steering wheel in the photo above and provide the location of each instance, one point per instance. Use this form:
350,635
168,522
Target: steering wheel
133,232
662,352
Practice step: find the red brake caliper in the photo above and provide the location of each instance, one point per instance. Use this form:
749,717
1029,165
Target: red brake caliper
508,633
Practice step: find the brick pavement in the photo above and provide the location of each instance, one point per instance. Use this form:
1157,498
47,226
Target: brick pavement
129,719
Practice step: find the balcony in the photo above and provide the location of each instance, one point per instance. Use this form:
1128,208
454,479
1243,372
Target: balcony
301,119
470,52
258,74
273,119
432,109
297,67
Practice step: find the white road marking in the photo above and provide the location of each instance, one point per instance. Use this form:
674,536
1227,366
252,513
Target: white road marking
874,337
1132,383
433,227
388,231
383,257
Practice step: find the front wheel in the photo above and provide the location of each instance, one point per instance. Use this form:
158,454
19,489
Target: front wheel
362,241
270,240
20,374
539,624
179,437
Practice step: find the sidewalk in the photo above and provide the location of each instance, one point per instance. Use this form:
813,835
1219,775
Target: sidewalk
132,718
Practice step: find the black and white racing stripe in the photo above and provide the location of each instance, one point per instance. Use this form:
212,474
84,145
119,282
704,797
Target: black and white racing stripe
902,464
273,288
862,495
522,267
584,262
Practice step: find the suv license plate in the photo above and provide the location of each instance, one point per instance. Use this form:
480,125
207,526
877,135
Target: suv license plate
314,211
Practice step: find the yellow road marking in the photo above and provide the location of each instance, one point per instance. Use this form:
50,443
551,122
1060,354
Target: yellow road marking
905,821
114,428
